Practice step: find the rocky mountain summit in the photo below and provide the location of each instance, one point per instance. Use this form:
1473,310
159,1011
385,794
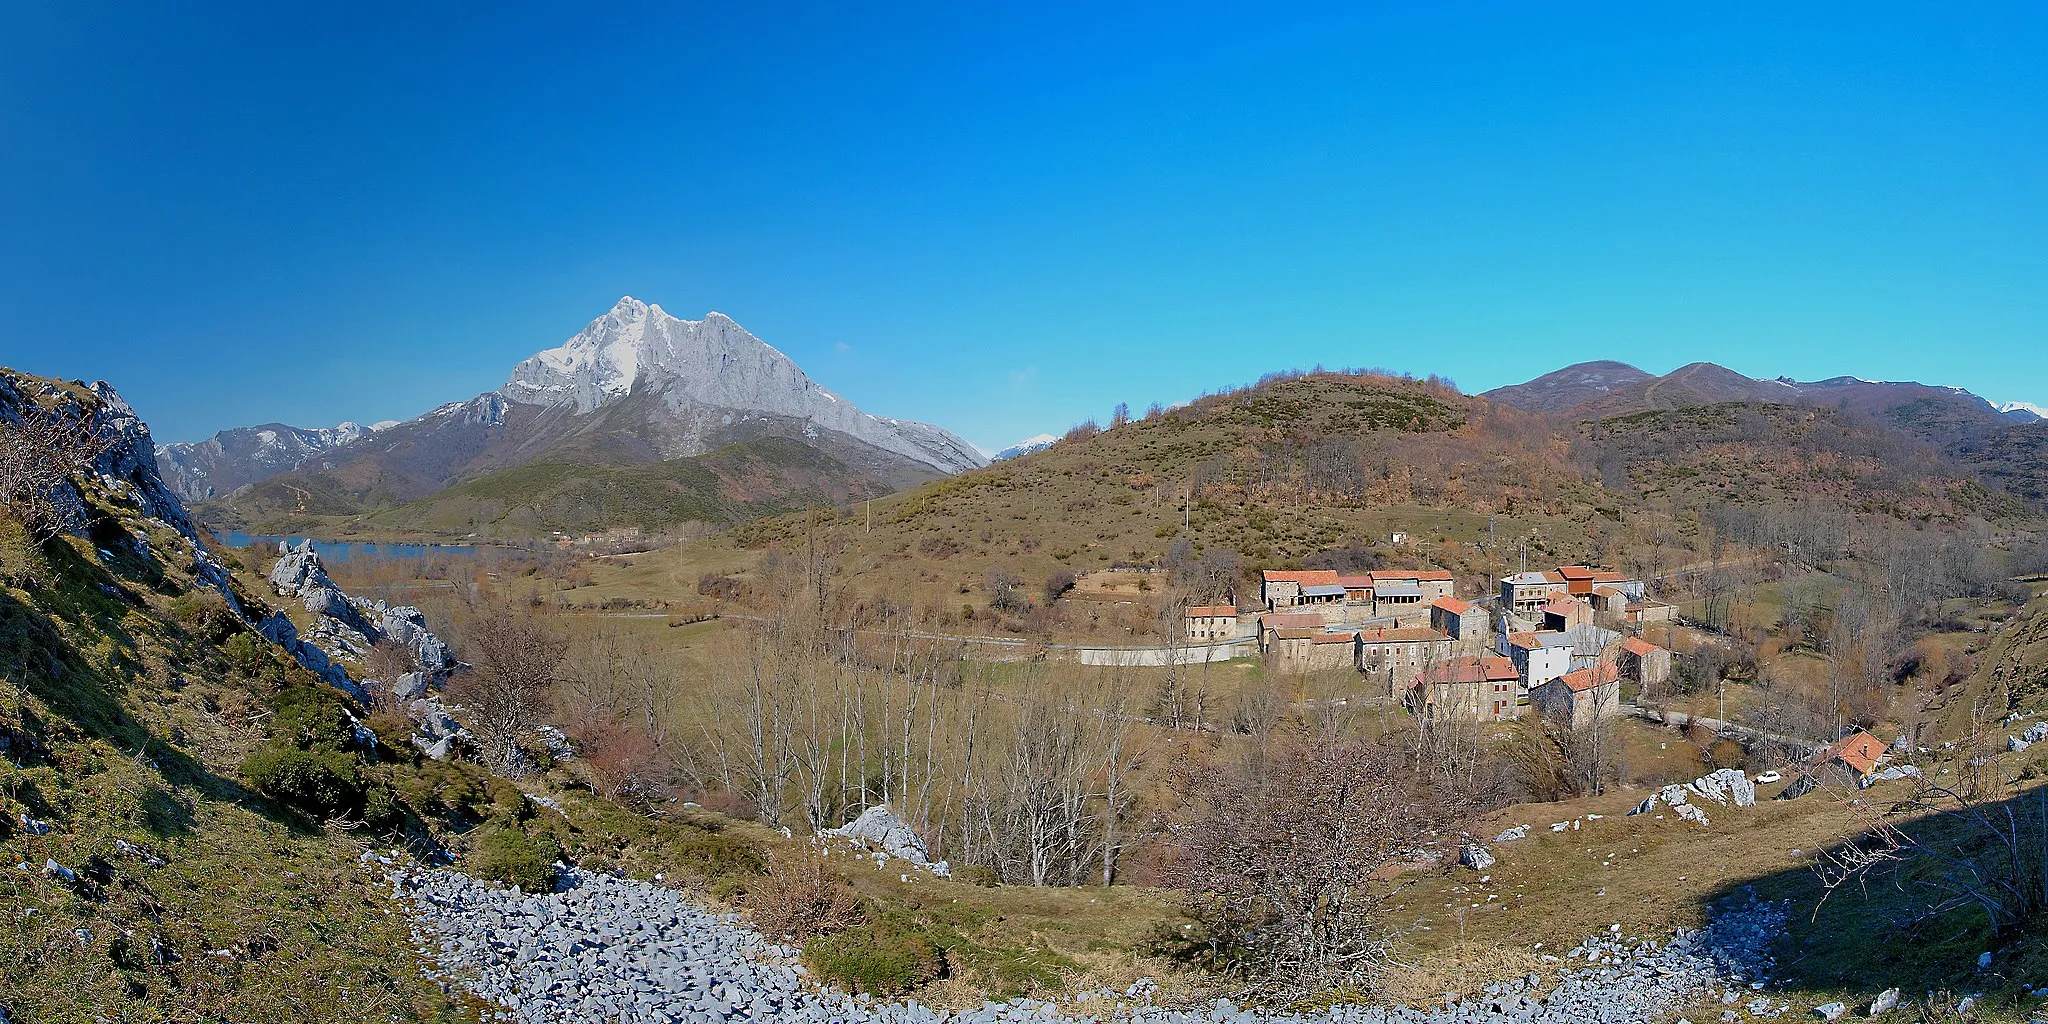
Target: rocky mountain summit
709,374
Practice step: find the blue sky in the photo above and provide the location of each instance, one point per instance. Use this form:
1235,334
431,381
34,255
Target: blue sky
1006,221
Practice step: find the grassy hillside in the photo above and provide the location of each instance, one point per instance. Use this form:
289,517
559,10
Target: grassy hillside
727,485
577,489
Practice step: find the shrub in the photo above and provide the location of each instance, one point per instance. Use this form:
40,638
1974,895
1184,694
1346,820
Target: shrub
802,899
887,957
323,784
985,877
506,853
310,717
243,653
205,614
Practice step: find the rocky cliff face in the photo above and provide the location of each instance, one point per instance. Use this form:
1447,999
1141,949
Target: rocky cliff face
202,470
708,374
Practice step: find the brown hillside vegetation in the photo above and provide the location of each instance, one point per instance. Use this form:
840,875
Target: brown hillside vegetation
1323,466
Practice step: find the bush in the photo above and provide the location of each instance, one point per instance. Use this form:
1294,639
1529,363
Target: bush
802,899
311,717
505,853
978,875
888,957
323,784
205,614
243,653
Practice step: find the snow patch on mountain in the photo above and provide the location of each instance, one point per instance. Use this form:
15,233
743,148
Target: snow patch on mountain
2025,412
1025,447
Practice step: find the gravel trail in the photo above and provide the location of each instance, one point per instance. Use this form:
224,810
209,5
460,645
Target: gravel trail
606,949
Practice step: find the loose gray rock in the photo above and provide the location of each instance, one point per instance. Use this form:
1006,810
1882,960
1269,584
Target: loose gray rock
1475,856
1830,1011
1884,1002
602,949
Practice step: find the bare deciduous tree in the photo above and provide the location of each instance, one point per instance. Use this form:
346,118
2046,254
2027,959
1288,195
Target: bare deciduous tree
516,656
1278,856
39,451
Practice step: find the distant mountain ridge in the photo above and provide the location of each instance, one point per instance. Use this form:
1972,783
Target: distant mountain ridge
2000,444
199,470
635,387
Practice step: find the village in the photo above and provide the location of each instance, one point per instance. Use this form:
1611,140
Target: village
1559,641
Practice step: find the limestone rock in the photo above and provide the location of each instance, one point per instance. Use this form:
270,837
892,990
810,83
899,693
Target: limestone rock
1725,785
1475,856
879,828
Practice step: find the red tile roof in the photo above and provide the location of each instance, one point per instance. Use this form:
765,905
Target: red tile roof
1398,635
1606,591
1523,640
1575,572
1562,605
1858,750
1610,577
1203,611
1412,574
1588,678
1305,577
1288,620
1354,582
1335,638
1452,605
1639,647
1487,669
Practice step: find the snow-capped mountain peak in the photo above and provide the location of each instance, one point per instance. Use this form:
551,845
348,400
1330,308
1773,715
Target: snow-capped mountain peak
2026,412
702,371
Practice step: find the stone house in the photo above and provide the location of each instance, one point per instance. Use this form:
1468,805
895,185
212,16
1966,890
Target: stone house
1212,622
1282,588
1298,649
1581,696
1472,686
1399,655
1563,613
1644,662
1463,621
1271,623
1525,593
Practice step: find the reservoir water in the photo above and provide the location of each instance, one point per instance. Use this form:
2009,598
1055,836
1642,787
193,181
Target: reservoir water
344,550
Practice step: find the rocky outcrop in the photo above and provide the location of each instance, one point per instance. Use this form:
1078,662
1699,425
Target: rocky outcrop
879,831
347,627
